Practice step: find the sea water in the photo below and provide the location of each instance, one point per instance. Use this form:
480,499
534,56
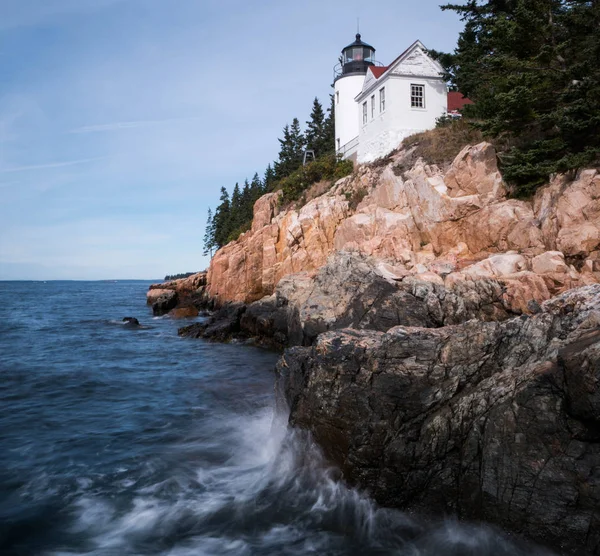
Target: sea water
121,441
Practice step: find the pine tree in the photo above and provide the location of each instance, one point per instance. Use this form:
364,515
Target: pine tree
298,143
256,191
209,232
531,66
315,129
269,179
291,151
329,129
282,165
222,220
237,208
248,203
256,187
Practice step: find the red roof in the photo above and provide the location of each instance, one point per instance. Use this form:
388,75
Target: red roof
456,101
378,71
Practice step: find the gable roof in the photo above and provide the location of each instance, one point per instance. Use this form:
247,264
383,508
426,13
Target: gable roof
378,71
384,72
456,101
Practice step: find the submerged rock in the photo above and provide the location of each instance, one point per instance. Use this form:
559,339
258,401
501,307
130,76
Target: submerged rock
131,322
495,421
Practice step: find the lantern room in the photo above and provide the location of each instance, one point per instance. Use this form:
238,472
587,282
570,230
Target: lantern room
355,59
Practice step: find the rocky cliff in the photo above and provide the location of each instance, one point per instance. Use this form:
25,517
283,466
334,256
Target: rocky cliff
447,337
497,421
181,298
437,226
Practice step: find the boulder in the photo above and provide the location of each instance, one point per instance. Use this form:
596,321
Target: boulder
569,213
154,293
475,172
165,302
131,322
550,262
220,327
184,312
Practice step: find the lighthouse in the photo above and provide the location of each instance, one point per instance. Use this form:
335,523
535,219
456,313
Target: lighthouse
377,107
349,77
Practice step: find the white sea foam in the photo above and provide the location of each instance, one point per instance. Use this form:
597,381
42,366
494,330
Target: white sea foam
272,494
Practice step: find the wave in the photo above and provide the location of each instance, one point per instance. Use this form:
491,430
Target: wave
272,492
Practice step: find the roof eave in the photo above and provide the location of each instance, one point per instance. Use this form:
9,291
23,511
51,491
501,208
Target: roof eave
378,82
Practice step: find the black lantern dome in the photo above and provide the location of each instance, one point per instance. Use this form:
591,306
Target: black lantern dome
356,58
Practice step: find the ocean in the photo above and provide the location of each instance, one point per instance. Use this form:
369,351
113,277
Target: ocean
123,441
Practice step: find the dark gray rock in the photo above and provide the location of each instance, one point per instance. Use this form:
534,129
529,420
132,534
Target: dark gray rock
495,421
220,327
164,303
351,291
131,322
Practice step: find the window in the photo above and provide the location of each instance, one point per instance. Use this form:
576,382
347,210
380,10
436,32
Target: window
338,144
417,96
337,97
382,99
364,113
372,106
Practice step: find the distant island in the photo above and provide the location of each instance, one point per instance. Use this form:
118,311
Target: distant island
179,276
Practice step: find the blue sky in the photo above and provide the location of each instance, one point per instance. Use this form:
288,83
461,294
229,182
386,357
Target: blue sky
121,119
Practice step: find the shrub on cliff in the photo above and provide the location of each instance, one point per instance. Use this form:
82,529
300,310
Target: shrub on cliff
531,67
327,167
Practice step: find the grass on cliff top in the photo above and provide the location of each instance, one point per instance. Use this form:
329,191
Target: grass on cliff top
441,144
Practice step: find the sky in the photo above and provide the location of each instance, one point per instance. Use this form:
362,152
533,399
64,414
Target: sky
121,119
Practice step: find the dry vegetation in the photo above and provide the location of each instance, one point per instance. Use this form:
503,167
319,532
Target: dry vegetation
441,144
316,190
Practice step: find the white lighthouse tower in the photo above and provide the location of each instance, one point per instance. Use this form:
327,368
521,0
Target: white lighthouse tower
349,77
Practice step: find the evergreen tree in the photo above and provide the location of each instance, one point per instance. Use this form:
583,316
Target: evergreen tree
237,209
298,143
329,129
209,233
531,66
315,129
269,179
248,203
221,220
256,187
282,165
291,150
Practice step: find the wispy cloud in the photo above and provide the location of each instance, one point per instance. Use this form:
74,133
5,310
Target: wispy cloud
118,126
25,13
49,165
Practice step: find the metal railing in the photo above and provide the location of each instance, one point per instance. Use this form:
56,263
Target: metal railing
350,68
349,146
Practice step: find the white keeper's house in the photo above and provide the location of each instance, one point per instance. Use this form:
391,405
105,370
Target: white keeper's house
377,106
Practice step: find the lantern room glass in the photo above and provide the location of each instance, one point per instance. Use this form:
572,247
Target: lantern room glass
359,54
